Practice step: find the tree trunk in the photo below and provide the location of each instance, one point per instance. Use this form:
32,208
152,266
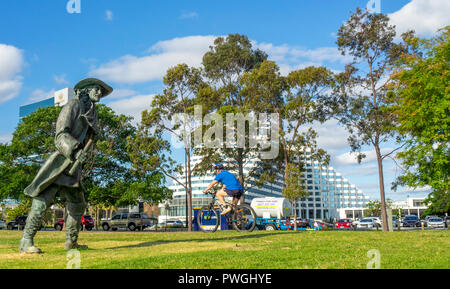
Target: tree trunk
295,215
189,185
382,193
241,172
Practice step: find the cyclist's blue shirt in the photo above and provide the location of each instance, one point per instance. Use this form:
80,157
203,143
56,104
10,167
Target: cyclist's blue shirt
229,180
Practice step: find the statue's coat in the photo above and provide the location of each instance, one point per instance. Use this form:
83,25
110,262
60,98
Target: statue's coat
72,127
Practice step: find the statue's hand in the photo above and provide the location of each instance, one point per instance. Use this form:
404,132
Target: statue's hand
81,156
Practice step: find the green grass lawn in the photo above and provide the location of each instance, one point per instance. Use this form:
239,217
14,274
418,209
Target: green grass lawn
231,250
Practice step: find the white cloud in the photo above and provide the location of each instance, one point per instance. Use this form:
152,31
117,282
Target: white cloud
40,94
190,50
290,58
11,64
109,15
349,158
132,106
60,79
331,136
424,16
164,54
189,15
5,138
121,93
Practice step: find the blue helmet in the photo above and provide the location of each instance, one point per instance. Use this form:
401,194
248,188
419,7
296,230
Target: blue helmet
219,166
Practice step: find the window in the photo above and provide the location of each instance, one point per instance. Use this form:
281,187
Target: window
116,217
124,216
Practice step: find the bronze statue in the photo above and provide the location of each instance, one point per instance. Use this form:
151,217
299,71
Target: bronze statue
76,128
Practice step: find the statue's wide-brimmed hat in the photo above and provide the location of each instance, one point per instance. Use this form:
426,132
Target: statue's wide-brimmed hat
106,89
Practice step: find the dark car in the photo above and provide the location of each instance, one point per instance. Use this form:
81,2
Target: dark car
17,223
411,221
86,221
301,223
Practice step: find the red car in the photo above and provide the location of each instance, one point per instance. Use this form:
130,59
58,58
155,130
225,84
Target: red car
86,221
344,223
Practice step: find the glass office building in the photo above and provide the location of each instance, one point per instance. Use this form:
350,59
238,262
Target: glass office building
29,108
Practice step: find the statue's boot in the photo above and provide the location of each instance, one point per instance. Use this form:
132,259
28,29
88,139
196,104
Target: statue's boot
27,247
73,225
71,245
33,224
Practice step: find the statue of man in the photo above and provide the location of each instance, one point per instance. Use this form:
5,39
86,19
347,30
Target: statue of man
61,173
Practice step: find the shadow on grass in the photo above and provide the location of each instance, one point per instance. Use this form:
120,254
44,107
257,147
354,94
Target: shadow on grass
248,236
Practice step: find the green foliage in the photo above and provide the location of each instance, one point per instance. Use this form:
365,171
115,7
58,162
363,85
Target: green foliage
22,209
374,208
32,142
421,95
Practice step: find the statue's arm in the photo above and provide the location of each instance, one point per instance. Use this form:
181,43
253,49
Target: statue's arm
66,144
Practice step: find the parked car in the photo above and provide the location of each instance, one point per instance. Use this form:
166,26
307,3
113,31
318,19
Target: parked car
436,223
344,223
132,221
411,221
366,223
430,217
17,223
173,224
2,225
395,221
86,222
301,223
377,220
356,222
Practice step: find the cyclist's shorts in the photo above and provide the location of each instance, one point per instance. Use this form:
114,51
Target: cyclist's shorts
233,193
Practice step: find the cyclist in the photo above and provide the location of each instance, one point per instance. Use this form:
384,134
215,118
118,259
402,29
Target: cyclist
231,187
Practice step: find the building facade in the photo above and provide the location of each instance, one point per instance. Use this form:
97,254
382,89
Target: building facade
412,206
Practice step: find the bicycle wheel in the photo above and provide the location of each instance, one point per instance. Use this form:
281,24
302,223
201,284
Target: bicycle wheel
244,218
207,219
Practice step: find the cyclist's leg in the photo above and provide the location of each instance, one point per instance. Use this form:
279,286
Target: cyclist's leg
236,199
221,194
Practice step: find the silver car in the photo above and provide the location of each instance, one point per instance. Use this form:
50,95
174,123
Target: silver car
366,223
435,223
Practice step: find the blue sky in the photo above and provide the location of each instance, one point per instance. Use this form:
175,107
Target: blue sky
130,44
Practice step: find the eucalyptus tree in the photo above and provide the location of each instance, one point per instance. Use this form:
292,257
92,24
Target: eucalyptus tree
224,65
171,115
360,101
294,99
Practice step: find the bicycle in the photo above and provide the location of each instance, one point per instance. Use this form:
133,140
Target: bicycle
242,217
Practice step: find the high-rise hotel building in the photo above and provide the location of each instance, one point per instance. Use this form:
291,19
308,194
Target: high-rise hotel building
332,195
